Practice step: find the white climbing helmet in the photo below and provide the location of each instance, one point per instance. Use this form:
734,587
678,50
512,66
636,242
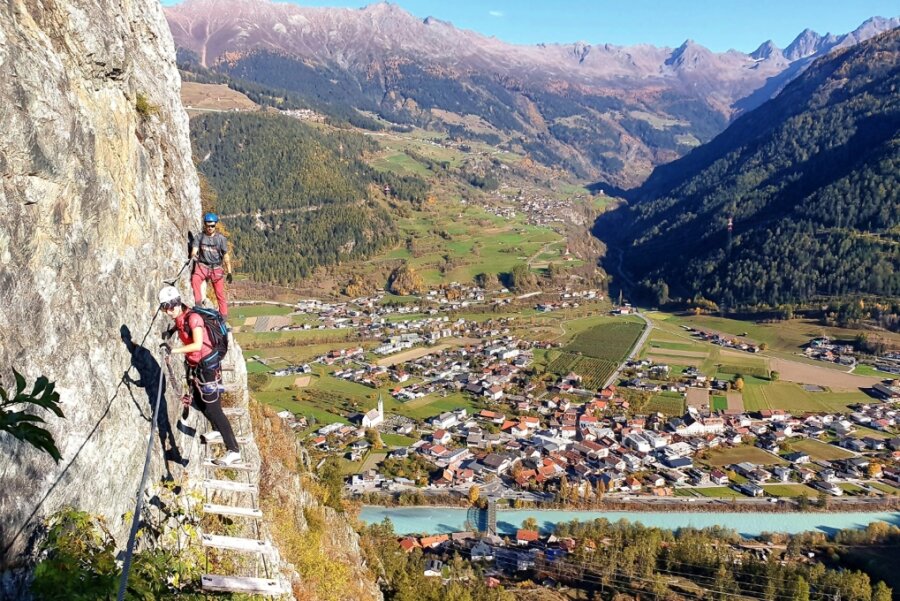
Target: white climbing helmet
169,296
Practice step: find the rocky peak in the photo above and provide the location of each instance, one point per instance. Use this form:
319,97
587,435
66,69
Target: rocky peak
872,27
805,44
689,56
766,50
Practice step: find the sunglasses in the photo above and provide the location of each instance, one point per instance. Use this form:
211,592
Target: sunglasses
168,306
210,225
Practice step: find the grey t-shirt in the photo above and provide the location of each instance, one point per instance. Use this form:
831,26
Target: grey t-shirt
212,248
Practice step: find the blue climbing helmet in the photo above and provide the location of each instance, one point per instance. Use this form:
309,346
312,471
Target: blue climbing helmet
210,218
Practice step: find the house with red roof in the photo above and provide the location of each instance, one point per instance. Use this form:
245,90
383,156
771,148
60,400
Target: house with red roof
432,542
409,543
526,537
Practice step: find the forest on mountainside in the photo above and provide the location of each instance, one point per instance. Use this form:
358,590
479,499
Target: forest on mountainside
337,114
811,181
296,197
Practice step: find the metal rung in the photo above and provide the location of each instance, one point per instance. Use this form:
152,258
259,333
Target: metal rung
239,512
241,584
238,467
234,543
229,485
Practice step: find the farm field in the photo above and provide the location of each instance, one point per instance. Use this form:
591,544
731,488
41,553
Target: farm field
794,371
820,450
348,468
885,488
677,353
863,432
281,356
790,490
312,412
371,461
436,405
852,489
593,371
238,313
719,492
327,399
412,354
738,454
732,363
867,370
396,440
217,97
260,340
719,403
734,402
667,360
661,346
666,403
785,339
792,397
609,341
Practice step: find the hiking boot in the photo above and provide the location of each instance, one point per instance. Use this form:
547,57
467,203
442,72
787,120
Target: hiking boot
230,458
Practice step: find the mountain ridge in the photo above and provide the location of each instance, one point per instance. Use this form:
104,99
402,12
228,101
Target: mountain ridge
603,111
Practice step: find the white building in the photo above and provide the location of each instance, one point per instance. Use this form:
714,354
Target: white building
374,417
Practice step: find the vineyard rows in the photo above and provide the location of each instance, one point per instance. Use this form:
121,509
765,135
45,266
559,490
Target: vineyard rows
594,372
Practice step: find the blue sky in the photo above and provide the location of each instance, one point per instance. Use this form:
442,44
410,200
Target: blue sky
717,24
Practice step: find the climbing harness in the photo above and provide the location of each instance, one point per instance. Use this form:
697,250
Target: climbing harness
207,388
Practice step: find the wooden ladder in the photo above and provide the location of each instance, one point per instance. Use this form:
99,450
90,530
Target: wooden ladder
245,485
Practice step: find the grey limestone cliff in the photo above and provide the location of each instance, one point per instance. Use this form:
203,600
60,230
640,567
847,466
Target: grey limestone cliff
97,193
97,190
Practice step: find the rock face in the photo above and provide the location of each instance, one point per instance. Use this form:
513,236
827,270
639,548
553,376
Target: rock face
96,195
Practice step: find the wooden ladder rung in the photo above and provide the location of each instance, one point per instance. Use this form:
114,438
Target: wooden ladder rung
229,510
234,543
238,467
229,486
216,438
241,584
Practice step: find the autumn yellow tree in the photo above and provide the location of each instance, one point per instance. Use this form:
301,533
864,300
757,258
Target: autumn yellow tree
474,494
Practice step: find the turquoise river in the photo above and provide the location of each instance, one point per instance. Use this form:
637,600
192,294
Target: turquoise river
434,520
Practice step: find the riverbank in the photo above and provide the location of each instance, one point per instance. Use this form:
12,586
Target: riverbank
439,520
672,504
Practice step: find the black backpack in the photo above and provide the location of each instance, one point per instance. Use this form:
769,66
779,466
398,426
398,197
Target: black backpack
217,331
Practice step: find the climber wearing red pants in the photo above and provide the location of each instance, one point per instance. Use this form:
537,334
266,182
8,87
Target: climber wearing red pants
210,252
